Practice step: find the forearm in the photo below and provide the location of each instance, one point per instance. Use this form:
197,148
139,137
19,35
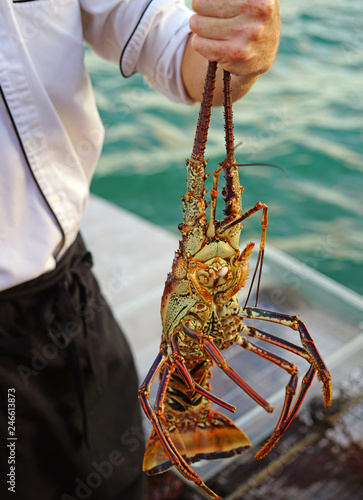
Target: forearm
194,69
242,35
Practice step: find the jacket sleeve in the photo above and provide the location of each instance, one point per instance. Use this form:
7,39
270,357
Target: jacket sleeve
144,36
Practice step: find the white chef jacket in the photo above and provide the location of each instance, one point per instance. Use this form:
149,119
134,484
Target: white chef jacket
50,131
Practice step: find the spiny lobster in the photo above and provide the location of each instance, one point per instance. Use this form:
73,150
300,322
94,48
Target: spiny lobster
201,317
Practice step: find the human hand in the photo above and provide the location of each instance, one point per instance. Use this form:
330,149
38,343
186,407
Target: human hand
242,35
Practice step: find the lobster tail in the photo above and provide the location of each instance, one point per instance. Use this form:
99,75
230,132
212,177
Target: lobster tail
205,435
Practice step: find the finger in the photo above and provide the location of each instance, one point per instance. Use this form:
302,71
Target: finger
223,9
225,29
233,57
232,8
211,27
221,51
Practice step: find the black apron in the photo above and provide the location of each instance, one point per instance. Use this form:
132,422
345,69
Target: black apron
67,371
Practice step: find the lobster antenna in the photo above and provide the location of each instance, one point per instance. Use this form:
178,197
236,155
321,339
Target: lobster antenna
262,165
258,267
200,139
228,116
214,193
229,159
232,189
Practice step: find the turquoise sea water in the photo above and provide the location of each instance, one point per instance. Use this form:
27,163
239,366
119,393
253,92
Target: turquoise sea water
305,114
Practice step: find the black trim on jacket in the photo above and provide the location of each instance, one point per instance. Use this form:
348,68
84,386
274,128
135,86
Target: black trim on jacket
130,37
30,168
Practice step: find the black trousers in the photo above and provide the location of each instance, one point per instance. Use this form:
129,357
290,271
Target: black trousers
70,423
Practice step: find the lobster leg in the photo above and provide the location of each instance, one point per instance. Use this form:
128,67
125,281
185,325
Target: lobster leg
307,341
144,390
217,357
283,424
188,380
261,252
290,388
309,351
252,331
247,214
273,358
155,415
